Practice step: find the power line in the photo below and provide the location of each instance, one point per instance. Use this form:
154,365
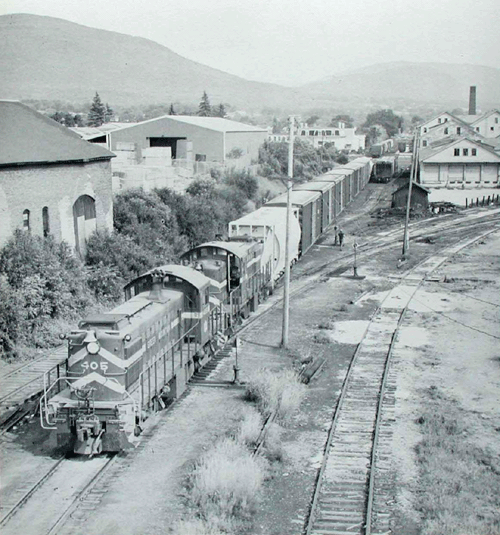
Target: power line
454,320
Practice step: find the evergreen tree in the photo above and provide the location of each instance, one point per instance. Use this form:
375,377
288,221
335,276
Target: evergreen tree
108,113
97,113
171,111
221,111
205,110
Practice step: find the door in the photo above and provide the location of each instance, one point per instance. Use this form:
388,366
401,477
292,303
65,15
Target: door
84,218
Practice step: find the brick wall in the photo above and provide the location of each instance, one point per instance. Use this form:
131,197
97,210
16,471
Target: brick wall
57,187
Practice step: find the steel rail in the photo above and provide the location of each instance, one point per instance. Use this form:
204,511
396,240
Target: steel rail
30,492
75,502
370,492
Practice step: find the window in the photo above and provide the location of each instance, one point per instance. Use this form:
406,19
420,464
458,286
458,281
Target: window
328,132
465,152
45,221
424,143
303,133
446,119
337,133
311,132
26,220
474,152
456,152
459,130
446,131
492,128
439,120
496,120
477,128
425,130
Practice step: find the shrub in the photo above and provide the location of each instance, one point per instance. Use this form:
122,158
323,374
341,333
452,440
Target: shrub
282,392
250,428
244,181
226,480
49,285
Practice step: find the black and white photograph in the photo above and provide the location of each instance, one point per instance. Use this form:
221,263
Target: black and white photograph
249,267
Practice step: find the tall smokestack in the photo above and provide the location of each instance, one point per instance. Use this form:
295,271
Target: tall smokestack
472,100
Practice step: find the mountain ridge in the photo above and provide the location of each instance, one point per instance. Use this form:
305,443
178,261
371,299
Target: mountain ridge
47,58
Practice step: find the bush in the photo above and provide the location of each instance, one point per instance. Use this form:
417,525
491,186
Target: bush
244,181
282,392
250,429
226,480
43,284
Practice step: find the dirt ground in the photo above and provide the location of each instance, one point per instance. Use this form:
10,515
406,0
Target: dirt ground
441,344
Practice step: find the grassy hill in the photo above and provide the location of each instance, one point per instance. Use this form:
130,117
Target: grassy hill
49,58
418,82
45,58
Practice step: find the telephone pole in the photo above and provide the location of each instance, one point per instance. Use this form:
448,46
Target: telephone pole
286,288
413,175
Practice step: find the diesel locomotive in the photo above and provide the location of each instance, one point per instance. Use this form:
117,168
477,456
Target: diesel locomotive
134,359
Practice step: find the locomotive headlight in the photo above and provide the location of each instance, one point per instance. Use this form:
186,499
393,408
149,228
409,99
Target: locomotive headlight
127,338
93,348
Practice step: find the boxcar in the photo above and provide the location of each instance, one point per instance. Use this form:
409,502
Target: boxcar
307,207
327,192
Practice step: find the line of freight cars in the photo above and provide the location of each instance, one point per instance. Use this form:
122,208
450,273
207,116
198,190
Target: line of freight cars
133,359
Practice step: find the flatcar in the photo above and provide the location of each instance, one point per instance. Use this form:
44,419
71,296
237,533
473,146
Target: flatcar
135,358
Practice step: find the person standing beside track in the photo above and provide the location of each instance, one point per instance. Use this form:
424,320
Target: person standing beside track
341,237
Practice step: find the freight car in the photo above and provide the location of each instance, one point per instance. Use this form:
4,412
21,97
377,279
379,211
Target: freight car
135,358
384,169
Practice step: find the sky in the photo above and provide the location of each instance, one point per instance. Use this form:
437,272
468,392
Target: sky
292,42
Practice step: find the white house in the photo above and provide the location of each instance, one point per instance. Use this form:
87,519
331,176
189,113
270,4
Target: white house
463,163
445,126
488,124
339,136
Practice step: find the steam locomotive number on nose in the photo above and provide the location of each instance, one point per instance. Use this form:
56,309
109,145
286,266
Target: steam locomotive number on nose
94,366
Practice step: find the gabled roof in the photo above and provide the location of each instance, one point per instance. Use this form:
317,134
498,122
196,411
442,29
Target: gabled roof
485,116
30,138
414,185
425,154
209,123
454,117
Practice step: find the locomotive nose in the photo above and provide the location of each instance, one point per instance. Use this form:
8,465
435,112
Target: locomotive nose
91,341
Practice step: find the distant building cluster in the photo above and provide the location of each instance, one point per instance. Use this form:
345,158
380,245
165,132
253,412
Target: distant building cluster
460,151
338,136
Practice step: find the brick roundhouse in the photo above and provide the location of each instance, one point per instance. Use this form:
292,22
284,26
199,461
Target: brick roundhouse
51,181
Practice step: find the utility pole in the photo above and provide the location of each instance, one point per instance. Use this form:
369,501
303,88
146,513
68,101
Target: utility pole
286,289
413,174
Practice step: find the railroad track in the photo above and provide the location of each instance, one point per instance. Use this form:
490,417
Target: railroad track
49,501
350,495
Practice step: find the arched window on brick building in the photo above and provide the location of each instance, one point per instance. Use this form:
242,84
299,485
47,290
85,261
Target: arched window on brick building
84,218
26,220
45,221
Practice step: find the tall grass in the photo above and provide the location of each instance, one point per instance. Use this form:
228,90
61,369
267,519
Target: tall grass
225,482
250,428
282,392
460,482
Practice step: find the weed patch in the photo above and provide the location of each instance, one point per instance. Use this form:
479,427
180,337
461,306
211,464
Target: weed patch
224,485
282,392
460,483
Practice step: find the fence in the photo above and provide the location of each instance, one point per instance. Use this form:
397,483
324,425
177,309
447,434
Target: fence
485,201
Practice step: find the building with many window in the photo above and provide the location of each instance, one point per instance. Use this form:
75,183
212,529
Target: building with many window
51,181
463,163
340,137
